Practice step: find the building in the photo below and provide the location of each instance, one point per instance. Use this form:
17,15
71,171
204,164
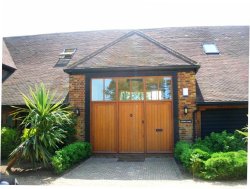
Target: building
139,91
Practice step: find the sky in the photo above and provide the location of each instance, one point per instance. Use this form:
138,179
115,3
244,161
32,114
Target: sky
29,17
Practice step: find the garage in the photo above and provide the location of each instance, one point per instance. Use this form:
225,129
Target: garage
218,120
132,115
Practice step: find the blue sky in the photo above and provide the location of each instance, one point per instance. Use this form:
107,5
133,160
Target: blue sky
28,17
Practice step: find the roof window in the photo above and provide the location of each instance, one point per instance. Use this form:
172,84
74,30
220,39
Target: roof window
65,57
210,48
67,53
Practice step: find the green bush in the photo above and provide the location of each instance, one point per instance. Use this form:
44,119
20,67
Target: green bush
70,155
70,132
9,141
217,157
226,165
223,142
180,147
197,159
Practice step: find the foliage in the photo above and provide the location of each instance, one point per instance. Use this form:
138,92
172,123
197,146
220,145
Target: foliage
9,141
197,159
43,115
227,165
222,142
180,147
244,133
70,132
70,155
216,157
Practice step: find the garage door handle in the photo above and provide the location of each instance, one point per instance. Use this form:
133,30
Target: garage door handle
158,130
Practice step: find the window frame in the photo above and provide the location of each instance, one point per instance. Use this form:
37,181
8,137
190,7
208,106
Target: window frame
210,52
117,98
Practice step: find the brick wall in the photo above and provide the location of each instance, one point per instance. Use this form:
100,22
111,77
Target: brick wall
186,80
77,99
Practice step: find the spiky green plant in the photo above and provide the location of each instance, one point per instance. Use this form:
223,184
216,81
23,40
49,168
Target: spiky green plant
41,119
244,132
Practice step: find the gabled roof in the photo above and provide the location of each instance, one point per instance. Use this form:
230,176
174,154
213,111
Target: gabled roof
7,59
134,49
221,78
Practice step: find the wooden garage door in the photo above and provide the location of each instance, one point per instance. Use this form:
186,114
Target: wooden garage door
131,127
132,115
103,126
159,127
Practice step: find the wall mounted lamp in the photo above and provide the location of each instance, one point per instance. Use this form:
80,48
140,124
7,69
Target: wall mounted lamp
185,109
76,111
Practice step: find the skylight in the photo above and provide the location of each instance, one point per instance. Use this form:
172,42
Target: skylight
68,53
65,57
210,48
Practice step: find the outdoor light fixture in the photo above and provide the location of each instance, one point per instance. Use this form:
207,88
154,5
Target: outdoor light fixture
185,109
77,111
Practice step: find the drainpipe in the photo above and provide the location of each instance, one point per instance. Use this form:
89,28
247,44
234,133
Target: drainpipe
194,128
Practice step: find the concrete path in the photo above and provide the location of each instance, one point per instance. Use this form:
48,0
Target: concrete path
153,172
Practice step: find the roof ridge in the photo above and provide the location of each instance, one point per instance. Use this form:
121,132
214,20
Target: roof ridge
141,34
170,50
5,47
101,49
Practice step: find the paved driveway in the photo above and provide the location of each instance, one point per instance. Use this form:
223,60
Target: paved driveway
153,172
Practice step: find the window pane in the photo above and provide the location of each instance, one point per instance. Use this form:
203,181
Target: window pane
137,89
124,89
97,90
165,88
109,90
152,89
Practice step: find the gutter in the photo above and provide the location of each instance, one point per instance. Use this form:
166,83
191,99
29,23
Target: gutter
222,103
143,68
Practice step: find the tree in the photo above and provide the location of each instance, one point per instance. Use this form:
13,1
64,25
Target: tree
41,119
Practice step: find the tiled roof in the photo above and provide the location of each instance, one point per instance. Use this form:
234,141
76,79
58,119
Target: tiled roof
35,58
7,59
222,77
133,49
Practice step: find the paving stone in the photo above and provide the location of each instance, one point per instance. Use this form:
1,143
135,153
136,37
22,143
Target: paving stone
152,173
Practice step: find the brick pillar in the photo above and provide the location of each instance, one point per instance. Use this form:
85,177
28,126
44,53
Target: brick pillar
77,100
186,80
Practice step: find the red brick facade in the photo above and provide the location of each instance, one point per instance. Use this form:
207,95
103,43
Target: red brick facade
186,80
77,100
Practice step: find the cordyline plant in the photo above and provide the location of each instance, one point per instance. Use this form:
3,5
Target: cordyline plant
41,119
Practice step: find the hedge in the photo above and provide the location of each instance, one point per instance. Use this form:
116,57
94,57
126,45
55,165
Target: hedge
217,157
70,155
226,165
9,141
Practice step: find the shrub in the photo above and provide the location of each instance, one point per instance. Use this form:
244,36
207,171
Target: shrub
180,147
70,132
197,159
9,141
223,142
43,115
214,158
226,165
70,155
